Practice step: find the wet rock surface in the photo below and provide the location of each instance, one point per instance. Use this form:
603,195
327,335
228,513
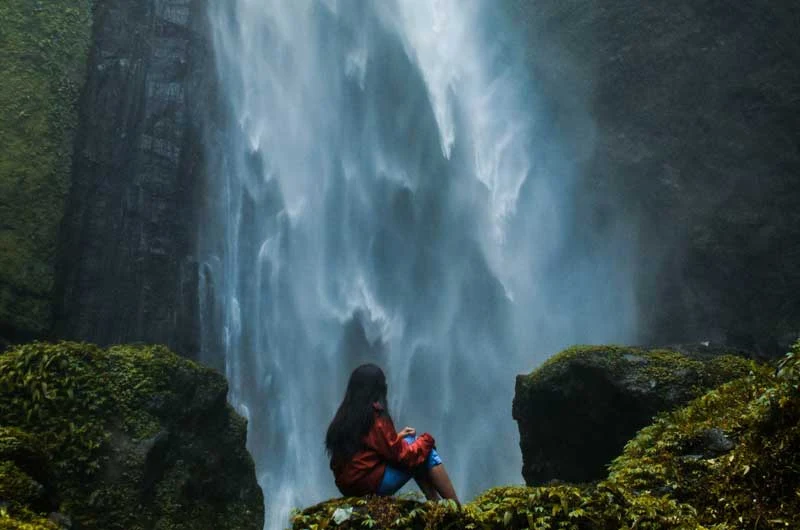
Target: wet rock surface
685,118
577,411
127,270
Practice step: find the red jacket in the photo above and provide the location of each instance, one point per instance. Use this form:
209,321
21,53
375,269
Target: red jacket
362,474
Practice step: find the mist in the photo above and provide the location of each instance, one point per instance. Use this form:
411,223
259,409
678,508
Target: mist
390,186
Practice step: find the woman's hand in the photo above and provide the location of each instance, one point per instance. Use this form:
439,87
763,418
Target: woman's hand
407,431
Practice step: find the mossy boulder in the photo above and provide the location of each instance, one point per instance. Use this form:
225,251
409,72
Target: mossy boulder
43,51
733,454
507,508
130,437
576,412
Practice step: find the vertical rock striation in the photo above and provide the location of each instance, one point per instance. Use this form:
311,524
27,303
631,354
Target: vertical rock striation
127,271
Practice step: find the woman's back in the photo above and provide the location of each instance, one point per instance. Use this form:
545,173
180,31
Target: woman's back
368,456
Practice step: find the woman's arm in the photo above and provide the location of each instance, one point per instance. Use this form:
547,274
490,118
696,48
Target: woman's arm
391,446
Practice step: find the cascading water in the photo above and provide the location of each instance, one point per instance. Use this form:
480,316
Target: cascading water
386,191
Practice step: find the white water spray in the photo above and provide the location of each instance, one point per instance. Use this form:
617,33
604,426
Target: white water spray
382,193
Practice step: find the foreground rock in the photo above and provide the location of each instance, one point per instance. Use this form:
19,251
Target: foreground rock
728,460
131,438
733,454
576,411
604,507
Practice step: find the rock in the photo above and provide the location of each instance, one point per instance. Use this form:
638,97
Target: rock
503,508
60,520
135,437
43,59
733,454
127,268
711,443
577,411
683,116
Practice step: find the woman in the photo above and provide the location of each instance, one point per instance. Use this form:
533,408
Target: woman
368,456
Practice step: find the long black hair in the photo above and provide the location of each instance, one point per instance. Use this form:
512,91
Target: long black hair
356,414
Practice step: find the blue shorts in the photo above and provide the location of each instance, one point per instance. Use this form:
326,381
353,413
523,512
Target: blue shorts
395,478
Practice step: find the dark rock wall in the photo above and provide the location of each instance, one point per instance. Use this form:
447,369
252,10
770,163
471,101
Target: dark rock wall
576,412
127,271
686,118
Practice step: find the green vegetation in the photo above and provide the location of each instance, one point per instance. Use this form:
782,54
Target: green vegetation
627,387
566,507
79,424
752,481
43,49
117,438
728,460
660,368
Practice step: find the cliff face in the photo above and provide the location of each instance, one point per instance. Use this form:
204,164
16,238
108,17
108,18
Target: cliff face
685,117
126,267
43,49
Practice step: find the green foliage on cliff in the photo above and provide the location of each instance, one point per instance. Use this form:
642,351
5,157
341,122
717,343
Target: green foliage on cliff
43,50
131,437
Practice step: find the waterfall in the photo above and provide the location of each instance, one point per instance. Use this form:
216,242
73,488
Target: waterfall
385,189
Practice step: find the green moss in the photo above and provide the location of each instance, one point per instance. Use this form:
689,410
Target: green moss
512,507
657,368
608,353
8,522
20,452
16,485
96,413
752,484
43,49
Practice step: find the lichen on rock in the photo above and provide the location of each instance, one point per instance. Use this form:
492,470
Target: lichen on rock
576,411
131,437
43,50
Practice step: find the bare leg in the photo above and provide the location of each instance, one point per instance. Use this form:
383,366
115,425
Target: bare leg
427,487
441,481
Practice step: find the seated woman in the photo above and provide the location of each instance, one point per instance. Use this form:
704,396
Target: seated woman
368,456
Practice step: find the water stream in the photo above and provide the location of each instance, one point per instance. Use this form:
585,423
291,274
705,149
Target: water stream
386,190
